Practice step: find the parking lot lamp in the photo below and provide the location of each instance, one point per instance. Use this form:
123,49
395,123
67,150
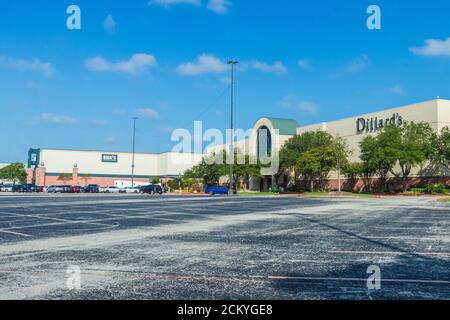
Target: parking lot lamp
230,191
134,145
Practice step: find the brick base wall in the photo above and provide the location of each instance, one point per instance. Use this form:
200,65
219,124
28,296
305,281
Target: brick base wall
396,184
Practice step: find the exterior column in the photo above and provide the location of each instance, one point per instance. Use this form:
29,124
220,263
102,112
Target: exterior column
75,175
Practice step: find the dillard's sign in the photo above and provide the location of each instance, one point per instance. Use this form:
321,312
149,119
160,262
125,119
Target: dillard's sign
374,124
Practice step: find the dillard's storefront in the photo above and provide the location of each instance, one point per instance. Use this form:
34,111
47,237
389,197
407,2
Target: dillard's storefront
111,168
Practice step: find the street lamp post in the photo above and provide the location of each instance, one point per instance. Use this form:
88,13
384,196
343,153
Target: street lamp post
232,63
134,145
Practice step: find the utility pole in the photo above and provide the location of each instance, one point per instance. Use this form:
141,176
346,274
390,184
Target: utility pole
230,191
134,145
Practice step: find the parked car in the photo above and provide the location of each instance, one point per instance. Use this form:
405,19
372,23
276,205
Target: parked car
112,190
24,188
6,188
218,190
59,189
92,188
50,189
130,190
75,189
152,189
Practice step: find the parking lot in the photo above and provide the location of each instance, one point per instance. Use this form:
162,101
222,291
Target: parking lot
201,247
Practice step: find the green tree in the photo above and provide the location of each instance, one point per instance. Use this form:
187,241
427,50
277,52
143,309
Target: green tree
368,147
248,169
155,181
14,172
189,183
316,164
64,177
174,184
210,170
296,146
353,171
379,156
439,151
410,144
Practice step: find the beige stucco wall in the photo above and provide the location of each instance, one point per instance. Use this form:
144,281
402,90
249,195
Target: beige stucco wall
443,114
347,128
90,162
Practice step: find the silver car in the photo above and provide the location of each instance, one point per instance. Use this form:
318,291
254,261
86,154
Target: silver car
130,190
112,190
6,188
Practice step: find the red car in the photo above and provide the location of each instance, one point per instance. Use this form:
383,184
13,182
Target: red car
75,189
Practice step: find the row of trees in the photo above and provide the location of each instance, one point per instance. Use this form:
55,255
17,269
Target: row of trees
308,159
14,172
396,151
312,156
210,171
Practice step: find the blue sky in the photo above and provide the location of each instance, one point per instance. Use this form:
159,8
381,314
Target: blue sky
164,61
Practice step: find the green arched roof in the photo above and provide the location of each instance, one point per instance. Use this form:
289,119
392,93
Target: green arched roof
286,127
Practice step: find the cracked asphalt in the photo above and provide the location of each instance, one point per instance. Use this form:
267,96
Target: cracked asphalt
201,247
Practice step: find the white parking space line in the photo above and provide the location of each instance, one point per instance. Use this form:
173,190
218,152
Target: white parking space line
402,228
361,279
392,253
59,222
15,233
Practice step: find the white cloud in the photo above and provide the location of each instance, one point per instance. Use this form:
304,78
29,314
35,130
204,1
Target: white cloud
109,24
304,64
276,68
56,119
397,90
290,102
308,107
203,65
118,112
147,113
167,3
433,48
111,140
100,123
30,84
138,63
287,101
216,6
210,64
219,6
34,65
358,64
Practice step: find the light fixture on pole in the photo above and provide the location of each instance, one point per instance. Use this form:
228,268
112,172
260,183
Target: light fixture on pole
134,145
231,192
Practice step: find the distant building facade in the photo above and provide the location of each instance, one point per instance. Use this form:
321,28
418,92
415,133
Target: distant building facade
107,168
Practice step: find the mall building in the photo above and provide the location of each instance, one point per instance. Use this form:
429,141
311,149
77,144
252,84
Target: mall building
113,168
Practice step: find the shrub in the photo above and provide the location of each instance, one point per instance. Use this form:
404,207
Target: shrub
417,190
436,188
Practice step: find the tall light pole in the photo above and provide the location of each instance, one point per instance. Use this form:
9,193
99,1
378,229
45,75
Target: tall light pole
134,145
232,63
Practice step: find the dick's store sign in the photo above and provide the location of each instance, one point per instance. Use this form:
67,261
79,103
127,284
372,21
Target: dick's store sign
110,158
